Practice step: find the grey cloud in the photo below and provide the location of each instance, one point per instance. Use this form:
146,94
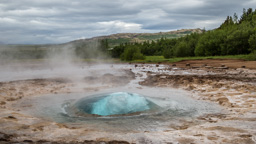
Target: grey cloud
58,21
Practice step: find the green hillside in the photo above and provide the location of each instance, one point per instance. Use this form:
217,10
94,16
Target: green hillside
235,36
117,39
86,48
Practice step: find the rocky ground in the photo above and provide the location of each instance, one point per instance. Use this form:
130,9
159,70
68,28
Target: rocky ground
232,86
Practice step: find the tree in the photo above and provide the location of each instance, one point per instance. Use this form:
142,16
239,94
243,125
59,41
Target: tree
209,44
117,51
181,49
252,42
132,53
168,53
234,36
235,18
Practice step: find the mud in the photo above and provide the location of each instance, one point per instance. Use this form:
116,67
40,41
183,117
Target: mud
234,89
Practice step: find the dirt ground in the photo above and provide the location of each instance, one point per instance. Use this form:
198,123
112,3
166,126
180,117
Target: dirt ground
218,63
224,82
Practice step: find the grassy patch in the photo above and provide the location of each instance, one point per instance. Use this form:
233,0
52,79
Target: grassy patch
116,42
155,59
155,37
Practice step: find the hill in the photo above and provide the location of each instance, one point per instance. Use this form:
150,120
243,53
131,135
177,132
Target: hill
117,39
86,48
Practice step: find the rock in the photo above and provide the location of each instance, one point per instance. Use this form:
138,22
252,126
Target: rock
105,142
245,136
221,67
28,141
12,89
199,135
2,103
208,67
11,117
223,101
5,137
118,142
11,99
163,77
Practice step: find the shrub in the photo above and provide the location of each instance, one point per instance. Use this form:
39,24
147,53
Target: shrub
252,56
132,53
168,53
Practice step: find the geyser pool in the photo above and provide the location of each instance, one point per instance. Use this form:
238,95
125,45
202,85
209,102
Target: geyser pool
118,103
147,109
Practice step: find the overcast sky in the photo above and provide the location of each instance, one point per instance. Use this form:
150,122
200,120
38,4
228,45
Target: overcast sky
59,21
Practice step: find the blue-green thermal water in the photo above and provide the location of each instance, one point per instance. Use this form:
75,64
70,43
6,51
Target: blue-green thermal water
144,110
118,103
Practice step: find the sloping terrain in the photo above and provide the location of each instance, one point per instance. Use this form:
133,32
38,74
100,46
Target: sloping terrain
116,39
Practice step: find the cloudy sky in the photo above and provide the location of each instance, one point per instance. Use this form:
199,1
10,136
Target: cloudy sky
59,21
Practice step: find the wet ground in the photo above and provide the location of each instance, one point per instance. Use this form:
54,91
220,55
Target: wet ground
232,89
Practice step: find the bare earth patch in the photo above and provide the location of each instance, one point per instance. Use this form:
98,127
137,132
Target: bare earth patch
234,89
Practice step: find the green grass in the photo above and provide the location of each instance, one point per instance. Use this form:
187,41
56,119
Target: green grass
155,59
107,60
155,37
116,42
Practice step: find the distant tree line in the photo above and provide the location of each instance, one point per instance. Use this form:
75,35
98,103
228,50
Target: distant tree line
235,36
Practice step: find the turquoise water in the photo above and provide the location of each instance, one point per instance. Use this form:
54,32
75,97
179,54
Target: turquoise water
120,103
117,103
146,109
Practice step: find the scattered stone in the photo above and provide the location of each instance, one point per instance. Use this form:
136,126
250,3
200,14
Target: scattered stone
199,135
11,117
28,141
163,77
221,67
2,103
5,137
243,66
118,142
223,101
212,138
43,141
173,64
208,67
12,89
11,99
245,136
